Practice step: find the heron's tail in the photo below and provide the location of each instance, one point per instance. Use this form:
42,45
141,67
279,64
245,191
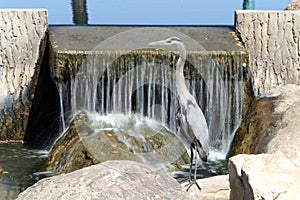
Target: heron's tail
203,155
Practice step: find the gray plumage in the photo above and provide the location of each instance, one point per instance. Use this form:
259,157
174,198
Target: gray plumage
194,130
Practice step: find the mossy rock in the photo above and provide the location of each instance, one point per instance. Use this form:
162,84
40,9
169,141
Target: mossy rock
257,127
93,139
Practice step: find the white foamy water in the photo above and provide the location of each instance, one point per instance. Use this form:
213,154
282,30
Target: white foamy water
138,83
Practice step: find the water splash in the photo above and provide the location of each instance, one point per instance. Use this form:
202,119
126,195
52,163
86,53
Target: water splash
143,82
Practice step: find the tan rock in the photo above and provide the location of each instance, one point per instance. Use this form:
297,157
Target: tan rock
263,176
213,188
294,5
272,125
287,139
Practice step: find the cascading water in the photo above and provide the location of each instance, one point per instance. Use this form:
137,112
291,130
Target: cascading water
143,82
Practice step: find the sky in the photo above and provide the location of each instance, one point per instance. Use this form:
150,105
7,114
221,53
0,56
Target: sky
147,12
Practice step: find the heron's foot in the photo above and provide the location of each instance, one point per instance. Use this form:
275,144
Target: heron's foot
191,183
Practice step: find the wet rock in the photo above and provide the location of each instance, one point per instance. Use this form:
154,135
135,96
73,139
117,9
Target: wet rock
108,180
272,125
258,127
264,176
213,188
93,139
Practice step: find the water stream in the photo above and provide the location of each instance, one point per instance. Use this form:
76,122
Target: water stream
144,82
22,168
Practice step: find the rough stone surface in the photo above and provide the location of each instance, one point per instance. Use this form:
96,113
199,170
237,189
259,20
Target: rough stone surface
276,175
109,180
21,46
89,141
272,41
287,139
264,176
213,188
273,125
294,5
258,127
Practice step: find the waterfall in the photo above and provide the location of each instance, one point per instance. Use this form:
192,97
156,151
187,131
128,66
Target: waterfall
143,82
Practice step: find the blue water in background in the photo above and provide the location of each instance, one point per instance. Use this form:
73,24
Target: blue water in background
147,12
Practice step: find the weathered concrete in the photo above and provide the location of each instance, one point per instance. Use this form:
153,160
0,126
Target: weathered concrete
22,45
87,38
272,39
263,176
109,180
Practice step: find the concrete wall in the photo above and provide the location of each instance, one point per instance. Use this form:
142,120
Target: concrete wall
22,33
272,39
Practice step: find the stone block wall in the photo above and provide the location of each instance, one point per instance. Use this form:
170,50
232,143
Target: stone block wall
22,43
272,39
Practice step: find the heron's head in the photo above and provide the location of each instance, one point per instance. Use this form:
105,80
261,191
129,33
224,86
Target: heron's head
169,41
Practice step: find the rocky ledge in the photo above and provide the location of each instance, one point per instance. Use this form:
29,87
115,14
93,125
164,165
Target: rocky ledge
264,176
93,138
120,179
275,124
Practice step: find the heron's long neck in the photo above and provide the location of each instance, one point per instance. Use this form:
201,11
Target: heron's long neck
181,61
182,89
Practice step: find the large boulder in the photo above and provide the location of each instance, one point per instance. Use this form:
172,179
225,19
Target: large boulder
263,176
108,180
272,125
286,139
93,139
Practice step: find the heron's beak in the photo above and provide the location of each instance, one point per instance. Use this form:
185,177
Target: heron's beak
162,42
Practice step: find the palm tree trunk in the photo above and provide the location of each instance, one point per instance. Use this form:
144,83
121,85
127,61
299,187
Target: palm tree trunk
248,5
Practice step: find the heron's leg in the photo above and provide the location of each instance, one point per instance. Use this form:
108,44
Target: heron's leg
193,180
191,161
189,179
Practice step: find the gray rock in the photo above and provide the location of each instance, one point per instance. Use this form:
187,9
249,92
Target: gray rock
263,176
108,180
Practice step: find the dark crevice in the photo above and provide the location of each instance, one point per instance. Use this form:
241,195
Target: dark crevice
44,118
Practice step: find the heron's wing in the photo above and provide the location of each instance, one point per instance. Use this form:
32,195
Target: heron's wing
197,125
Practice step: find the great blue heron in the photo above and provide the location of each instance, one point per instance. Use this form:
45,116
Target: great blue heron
194,131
